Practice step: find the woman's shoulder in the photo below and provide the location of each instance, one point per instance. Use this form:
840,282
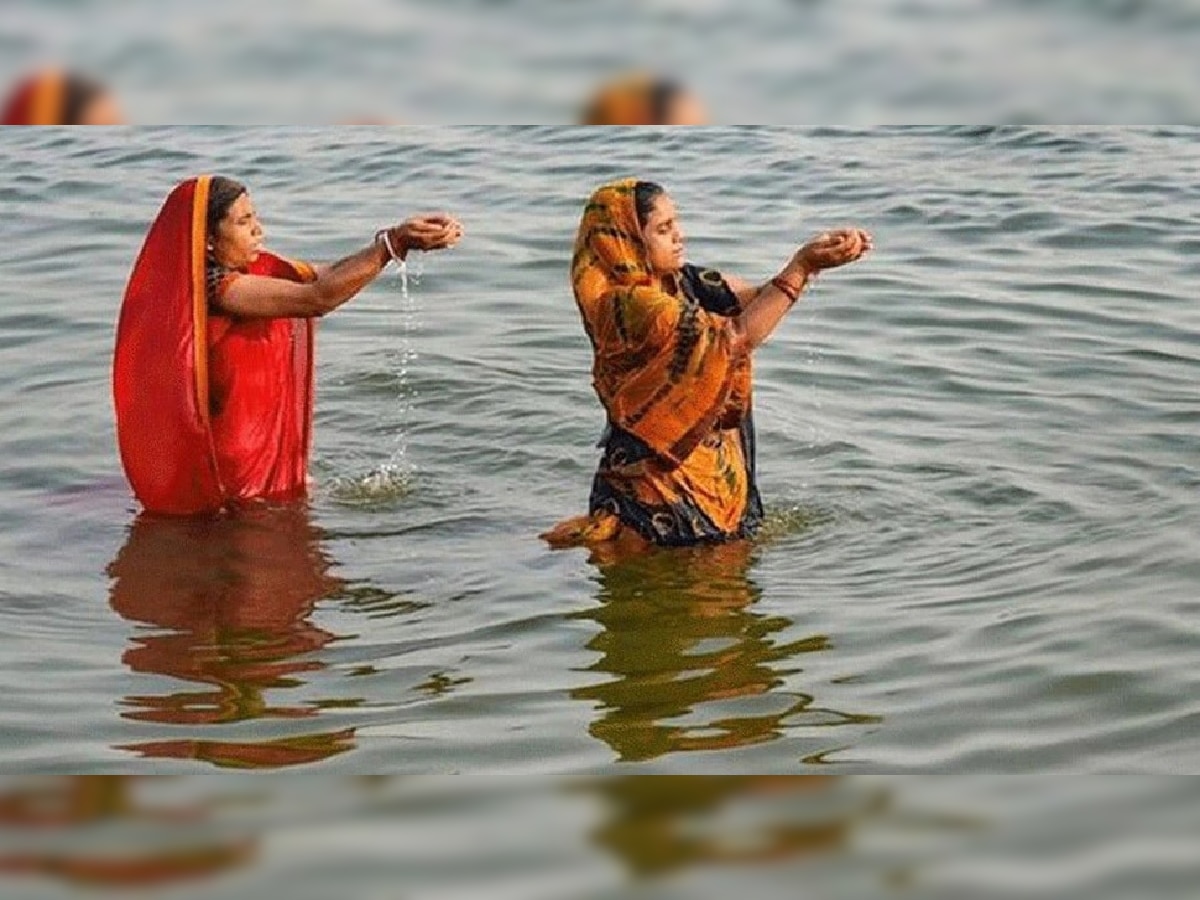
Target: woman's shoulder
273,265
217,280
692,270
709,288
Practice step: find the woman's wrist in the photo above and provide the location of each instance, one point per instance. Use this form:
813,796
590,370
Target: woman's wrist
792,280
391,245
799,269
400,243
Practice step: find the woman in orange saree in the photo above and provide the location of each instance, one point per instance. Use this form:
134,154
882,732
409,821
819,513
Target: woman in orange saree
55,97
213,368
672,367
644,99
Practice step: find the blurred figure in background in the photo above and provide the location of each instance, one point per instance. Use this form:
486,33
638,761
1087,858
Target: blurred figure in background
58,97
643,99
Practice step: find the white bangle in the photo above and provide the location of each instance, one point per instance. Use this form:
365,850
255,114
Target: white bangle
382,234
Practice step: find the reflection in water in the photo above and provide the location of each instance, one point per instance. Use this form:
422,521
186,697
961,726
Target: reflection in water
487,836
92,829
229,599
660,824
694,667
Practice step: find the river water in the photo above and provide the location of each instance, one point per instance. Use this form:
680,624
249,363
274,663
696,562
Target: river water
977,448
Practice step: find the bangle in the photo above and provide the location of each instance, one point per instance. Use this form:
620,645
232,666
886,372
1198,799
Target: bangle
382,236
789,289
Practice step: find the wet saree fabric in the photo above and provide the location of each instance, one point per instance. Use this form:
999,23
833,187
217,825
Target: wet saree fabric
210,409
678,461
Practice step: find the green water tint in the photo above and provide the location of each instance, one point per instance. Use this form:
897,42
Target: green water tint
377,489
781,523
373,602
659,825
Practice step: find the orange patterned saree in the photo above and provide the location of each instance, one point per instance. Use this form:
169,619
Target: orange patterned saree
210,410
678,463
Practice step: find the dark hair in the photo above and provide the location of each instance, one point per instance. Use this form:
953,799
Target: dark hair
644,195
79,91
222,194
663,94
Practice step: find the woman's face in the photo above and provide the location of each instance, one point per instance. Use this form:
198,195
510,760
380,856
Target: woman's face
102,110
239,236
664,238
686,110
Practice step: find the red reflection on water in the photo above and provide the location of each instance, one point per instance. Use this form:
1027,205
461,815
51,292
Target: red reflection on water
230,599
48,810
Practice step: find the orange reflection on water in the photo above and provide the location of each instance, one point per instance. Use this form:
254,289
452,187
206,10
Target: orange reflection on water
693,667
661,824
229,600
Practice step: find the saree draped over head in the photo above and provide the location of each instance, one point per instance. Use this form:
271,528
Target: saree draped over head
635,99
210,409
678,463
40,99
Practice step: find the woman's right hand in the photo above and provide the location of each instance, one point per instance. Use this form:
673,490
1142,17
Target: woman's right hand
436,231
832,249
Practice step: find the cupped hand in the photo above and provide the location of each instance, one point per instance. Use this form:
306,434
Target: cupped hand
833,248
434,231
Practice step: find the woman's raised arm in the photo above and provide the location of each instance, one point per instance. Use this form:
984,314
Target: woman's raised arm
763,308
262,297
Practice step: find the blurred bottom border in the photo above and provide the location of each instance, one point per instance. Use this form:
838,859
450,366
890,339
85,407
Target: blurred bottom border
606,836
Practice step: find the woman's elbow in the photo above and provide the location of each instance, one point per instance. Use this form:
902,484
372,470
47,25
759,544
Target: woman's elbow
318,303
305,309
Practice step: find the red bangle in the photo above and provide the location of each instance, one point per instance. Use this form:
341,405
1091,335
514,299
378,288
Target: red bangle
787,288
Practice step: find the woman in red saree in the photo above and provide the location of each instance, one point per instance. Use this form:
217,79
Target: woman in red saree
55,97
213,369
672,366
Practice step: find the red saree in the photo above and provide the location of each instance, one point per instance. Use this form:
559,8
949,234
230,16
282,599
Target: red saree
38,100
209,409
